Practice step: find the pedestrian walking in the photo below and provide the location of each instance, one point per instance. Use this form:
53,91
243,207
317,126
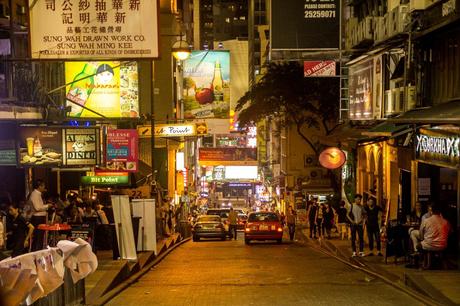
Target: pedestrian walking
356,217
319,219
233,221
372,225
21,232
290,219
328,219
342,221
283,219
312,218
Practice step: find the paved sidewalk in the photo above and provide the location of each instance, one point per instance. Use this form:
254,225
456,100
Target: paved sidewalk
440,285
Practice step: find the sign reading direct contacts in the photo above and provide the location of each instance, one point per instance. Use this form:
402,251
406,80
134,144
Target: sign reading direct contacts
69,29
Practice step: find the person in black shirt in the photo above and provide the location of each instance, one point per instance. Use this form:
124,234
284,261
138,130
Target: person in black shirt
312,218
373,229
21,232
342,220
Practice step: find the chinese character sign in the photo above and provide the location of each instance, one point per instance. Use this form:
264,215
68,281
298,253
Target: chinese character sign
122,150
207,85
70,29
109,88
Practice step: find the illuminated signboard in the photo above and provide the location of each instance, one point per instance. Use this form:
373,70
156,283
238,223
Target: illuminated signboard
108,88
228,156
81,147
173,130
40,146
438,146
207,85
93,29
105,180
122,150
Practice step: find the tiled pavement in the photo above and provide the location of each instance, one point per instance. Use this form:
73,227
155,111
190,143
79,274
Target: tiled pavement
231,273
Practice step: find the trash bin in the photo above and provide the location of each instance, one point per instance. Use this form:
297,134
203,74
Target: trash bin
185,229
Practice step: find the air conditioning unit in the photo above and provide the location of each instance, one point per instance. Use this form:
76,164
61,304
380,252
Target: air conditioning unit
398,99
367,28
399,19
388,103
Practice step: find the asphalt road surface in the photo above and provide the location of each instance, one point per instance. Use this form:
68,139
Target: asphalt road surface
231,273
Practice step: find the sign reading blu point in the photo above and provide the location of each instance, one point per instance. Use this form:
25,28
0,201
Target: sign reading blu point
305,25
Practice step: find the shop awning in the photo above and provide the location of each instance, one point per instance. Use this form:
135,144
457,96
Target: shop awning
448,112
345,133
387,129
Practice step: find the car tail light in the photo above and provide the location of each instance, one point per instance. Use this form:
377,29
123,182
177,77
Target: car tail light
280,229
247,229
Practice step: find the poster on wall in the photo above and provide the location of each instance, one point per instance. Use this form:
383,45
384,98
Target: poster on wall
40,146
122,154
207,85
93,29
305,25
109,89
81,147
360,90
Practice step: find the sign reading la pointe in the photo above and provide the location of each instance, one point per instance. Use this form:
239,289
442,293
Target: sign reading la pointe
69,29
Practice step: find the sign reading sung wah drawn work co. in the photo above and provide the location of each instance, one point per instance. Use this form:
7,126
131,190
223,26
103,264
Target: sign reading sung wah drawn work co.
81,147
73,29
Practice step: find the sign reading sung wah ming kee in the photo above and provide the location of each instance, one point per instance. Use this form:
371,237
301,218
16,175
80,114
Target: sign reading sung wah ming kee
70,29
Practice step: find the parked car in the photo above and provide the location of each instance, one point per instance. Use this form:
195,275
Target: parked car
223,214
242,220
209,226
263,225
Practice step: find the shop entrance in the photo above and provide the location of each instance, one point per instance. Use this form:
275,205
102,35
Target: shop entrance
440,184
405,193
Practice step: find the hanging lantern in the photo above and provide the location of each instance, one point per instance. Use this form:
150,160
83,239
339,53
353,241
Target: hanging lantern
332,158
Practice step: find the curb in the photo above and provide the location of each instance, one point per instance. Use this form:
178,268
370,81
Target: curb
135,277
321,247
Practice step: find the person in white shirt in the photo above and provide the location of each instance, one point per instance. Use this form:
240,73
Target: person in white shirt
39,213
434,232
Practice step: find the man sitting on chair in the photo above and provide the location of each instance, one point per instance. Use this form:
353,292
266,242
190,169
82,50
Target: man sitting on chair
434,232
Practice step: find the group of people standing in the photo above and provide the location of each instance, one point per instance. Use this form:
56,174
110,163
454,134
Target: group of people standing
320,218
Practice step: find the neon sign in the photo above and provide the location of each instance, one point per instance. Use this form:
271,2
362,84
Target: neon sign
448,146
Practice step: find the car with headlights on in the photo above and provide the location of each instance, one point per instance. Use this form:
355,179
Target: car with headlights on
208,226
263,225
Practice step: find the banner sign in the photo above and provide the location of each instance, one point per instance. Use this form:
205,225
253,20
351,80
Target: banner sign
438,146
173,130
319,68
122,152
305,24
109,88
360,90
228,156
81,147
40,146
207,85
93,29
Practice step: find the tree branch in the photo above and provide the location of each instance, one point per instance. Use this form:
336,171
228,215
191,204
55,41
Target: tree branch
307,140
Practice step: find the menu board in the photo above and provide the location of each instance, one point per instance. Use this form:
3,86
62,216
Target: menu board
40,146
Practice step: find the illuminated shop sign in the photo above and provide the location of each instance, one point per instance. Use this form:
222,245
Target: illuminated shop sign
105,180
81,147
438,146
173,130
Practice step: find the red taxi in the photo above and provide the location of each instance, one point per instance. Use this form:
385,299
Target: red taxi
263,225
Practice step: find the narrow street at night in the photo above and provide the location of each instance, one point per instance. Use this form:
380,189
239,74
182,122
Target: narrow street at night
231,273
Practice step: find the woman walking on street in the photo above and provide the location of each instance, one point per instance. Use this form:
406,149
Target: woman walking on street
290,218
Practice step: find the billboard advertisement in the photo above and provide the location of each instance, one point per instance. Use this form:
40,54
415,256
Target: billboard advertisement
305,25
81,147
360,90
228,156
121,150
173,130
108,88
40,146
93,29
207,85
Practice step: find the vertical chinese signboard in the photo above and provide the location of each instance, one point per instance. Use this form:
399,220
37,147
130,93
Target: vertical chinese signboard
70,29
121,151
109,88
305,24
40,146
81,147
207,85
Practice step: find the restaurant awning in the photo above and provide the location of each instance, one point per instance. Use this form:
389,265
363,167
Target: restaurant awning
387,129
448,112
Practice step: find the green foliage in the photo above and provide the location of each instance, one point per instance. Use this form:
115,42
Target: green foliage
306,103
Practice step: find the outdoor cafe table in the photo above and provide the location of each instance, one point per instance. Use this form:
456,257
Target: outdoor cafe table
54,229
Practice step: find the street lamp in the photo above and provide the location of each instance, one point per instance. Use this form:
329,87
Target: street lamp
181,50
